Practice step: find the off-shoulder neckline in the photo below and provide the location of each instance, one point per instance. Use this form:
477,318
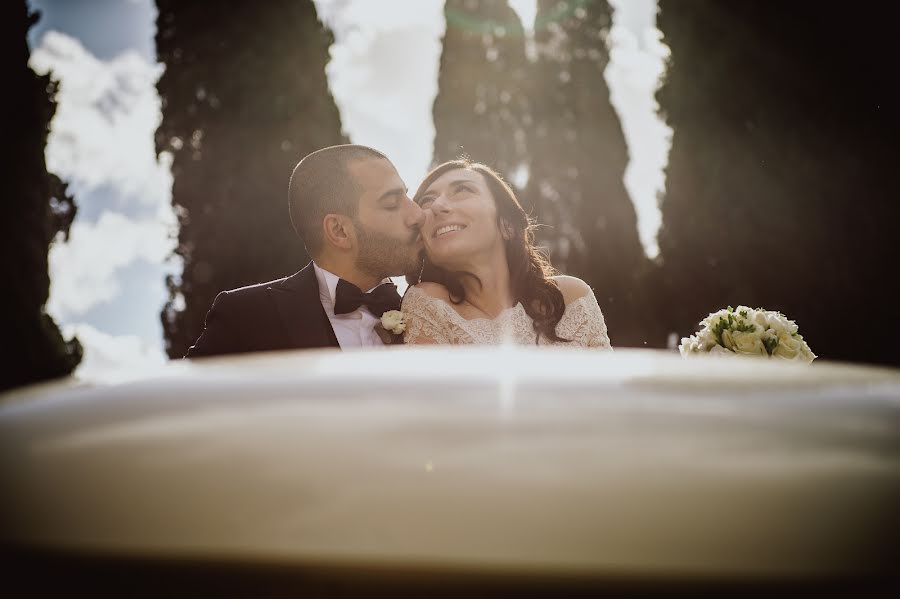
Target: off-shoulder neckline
449,307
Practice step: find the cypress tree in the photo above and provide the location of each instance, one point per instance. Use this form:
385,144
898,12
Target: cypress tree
781,180
40,212
578,160
482,104
244,98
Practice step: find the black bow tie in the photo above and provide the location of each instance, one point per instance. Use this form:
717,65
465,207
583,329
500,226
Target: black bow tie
348,297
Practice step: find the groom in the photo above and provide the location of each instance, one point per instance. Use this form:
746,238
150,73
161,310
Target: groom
354,215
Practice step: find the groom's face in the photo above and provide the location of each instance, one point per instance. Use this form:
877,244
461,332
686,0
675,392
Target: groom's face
388,221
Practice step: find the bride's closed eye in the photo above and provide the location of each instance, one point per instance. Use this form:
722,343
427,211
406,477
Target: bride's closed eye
457,189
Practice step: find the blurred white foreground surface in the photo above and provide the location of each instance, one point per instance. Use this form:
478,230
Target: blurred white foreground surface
554,461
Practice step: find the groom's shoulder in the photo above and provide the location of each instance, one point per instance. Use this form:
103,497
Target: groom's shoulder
572,288
257,287
248,293
251,290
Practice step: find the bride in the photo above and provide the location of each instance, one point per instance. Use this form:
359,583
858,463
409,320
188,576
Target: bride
482,279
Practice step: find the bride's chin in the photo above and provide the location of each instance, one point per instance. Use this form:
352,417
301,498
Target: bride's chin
449,258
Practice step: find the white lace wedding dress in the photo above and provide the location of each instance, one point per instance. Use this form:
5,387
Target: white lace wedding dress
434,319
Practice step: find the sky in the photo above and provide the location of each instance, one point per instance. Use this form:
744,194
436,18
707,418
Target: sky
107,282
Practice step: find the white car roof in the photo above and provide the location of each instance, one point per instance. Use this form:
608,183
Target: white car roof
513,459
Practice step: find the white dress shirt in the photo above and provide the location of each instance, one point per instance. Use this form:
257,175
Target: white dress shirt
354,329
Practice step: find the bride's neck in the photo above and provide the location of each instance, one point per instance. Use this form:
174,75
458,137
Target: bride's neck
494,294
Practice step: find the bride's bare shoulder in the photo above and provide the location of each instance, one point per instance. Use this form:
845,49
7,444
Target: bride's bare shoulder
435,290
572,288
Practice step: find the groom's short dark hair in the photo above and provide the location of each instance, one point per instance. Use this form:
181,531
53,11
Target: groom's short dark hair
321,184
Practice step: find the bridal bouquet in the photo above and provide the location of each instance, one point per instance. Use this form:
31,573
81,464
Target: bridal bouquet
749,332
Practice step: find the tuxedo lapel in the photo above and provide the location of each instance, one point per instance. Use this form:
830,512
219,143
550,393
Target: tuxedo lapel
297,299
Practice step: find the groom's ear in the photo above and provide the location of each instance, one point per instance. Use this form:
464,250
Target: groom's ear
338,231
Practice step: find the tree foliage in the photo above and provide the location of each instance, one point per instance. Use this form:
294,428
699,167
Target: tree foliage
545,113
578,157
780,184
40,210
482,105
244,98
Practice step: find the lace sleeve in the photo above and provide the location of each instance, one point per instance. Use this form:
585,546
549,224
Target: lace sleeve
584,324
425,322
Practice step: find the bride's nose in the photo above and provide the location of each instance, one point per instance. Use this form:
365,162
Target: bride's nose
440,205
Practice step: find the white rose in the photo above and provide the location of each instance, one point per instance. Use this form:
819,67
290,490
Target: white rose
761,320
770,337
806,354
750,312
781,323
707,340
701,345
788,348
718,350
793,347
748,344
728,339
393,321
713,318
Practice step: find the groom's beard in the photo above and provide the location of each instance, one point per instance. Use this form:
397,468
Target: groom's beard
382,256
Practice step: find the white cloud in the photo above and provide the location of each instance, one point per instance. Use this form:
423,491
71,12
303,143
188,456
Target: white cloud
383,75
114,359
386,15
637,61
101,142
107,113
83,271
527,11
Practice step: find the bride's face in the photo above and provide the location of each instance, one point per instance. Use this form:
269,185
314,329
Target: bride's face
460,219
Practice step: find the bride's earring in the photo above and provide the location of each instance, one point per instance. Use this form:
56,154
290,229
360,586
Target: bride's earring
421,270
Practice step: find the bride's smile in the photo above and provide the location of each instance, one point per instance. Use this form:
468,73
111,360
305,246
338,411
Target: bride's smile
448,229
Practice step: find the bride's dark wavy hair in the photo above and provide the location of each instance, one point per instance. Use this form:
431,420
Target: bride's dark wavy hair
530,271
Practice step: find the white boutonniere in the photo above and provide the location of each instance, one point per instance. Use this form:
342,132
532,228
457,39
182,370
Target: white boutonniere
394,321
392,325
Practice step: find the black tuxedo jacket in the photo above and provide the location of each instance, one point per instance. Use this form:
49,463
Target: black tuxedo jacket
282,314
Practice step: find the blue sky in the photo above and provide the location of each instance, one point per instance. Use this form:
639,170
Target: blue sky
106,28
